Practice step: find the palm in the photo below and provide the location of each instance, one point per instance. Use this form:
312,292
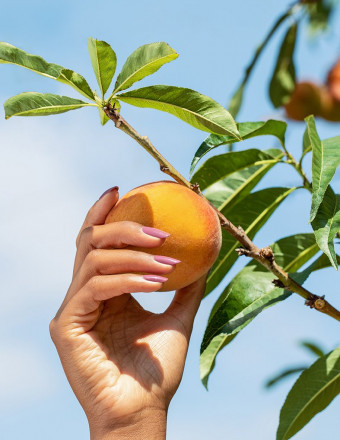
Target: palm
138,356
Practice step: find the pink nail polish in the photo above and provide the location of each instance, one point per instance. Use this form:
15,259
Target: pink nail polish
154,232
114,188
155,278
166,260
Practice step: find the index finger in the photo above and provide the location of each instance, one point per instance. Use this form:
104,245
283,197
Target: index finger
99,211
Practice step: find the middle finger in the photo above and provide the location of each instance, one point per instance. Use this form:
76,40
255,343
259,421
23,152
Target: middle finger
115,261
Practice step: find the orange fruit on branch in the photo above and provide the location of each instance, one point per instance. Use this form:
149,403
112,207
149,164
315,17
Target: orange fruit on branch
333,81
306,100
194,228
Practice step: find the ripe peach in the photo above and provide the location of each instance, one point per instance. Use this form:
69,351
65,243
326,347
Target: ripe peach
333,81
194,227
305,101
330,107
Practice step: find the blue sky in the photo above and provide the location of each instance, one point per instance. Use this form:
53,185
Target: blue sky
53,169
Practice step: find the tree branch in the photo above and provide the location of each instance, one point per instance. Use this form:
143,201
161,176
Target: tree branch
264,256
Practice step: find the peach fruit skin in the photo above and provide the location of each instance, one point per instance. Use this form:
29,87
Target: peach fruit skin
194,227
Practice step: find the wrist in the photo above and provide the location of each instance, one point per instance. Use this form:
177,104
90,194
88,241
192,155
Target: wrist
147,424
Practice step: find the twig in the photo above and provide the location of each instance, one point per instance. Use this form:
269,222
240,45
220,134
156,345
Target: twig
264,256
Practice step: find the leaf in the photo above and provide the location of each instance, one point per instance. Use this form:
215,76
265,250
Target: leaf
319,13
250,292
77,82
312,392
283,375
40,104
247,130
326,224
144,61
282,83
231,190
306,145
313,348
251,213
291,253
326,159
12,55
198,110
236,100
104,62
323,262
221,166
103,118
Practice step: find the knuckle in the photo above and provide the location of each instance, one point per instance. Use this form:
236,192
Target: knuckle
93,258
129,225
86,235
53,329
94,284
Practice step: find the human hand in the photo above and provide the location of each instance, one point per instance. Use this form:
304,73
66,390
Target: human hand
123,363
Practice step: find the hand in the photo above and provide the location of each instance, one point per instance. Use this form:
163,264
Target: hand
123,363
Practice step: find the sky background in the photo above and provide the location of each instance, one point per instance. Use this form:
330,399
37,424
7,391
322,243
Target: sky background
53,169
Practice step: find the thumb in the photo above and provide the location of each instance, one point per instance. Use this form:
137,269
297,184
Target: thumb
99,211
187,301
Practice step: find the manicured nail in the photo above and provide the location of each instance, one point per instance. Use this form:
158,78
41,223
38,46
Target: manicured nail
154,232
155,278
114,188
166,260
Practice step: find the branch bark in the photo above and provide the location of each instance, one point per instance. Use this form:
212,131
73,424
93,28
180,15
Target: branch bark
264,256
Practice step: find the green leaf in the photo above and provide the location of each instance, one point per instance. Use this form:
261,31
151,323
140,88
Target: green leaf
291,253
326,159
282,83
104,62
323,262
231,190
221,166
283,375
313,348
326,224
251,213
247,130
77,82
306,145
312,392
144,61
198,110
12,55
250,292
103,118
319,13
40,104
236,100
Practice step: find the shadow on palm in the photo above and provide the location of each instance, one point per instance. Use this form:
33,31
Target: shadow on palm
140,344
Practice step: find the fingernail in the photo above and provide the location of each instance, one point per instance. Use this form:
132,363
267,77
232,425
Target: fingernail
155,278
114,188
166,260
154,232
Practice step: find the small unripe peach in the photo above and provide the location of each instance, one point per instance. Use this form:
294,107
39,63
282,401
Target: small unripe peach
194,228
330,109
306,100
333,81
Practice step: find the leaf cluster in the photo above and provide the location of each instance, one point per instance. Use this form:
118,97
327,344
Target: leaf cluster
196,109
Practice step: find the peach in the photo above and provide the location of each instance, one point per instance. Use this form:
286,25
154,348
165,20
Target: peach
330,107
306,100
333,81
194,227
